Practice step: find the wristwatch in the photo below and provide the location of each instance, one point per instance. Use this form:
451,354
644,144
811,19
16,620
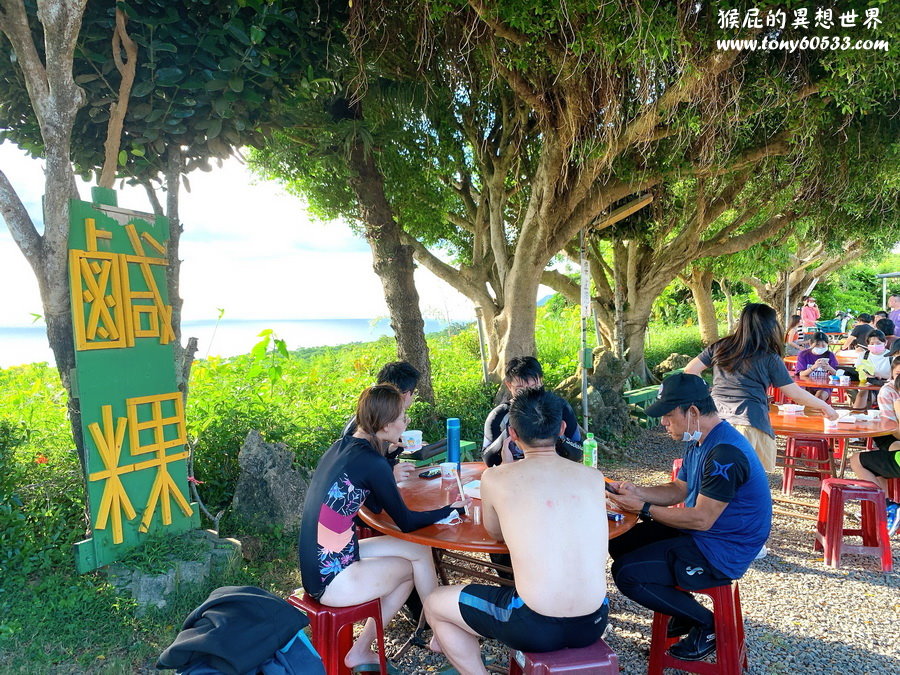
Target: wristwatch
645,512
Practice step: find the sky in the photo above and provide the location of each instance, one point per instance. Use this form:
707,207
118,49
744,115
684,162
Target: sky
248,247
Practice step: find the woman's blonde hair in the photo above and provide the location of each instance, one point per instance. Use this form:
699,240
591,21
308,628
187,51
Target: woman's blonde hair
378,406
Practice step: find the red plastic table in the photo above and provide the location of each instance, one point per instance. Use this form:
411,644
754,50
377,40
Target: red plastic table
812,425
791,361
423,495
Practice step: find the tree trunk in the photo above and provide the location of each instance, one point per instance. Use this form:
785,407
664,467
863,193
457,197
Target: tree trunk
393,263
515,324
700,283
636,319
729,304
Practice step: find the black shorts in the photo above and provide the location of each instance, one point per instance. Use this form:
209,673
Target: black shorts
498,612
883,463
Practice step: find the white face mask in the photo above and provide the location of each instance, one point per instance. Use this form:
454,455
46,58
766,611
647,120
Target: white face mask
692,437
819,350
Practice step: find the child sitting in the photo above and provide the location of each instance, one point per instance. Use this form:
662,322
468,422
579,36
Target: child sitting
817,361
872,363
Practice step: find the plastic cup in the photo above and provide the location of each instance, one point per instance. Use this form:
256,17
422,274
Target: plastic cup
475,513
448,471
412,439
873,414
830,424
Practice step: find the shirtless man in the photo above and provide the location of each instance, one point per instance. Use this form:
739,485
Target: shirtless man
549,511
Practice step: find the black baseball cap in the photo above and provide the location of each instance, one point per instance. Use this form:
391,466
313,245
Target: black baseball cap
678,389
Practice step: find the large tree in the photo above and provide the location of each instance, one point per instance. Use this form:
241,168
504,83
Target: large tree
205,77
586,110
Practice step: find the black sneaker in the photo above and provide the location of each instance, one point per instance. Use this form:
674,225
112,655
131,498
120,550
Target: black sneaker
679,626
699,643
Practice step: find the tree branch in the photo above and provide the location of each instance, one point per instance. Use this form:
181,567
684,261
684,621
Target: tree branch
456,278
562,284
127,69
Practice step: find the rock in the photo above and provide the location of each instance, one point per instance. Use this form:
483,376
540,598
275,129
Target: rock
151,590
610,419
192,572
270,491
673,361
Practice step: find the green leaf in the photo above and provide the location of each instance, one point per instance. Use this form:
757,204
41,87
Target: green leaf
87,77
220,105
165,47
281,346
215,128
169,76
123,157
216,85
138,151
264,332
236,84
260,348
256,34
142,88
238,32
229,63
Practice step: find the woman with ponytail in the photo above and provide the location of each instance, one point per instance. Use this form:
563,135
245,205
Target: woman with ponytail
745,364
338,569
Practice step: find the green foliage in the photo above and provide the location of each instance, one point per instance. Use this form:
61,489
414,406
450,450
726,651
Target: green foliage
208,75
855,287
159,550
41,488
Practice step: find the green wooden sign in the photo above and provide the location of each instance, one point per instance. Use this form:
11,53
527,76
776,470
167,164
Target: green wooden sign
132,414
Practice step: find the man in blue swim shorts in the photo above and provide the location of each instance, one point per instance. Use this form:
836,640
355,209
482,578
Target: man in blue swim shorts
545,508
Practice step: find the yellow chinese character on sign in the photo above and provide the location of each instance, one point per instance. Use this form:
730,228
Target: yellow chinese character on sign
164,416
115,499
166,429
108,313
99,289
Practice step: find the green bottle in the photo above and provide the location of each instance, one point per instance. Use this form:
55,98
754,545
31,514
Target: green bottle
590,451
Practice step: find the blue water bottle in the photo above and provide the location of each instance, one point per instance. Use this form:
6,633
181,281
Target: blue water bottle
453,441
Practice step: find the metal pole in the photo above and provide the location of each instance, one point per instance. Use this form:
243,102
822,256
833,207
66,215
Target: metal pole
787,296
478,320
884,293
586,355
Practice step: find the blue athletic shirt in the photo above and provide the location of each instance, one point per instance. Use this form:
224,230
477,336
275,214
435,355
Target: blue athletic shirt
724,467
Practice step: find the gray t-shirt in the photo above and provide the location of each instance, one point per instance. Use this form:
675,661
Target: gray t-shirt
741,396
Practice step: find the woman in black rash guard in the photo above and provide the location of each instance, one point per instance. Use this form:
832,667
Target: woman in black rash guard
339,570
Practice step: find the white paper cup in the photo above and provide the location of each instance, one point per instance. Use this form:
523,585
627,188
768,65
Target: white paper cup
873,414
412,439
448,471
830,424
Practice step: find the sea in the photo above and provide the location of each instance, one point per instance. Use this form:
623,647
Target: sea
228,337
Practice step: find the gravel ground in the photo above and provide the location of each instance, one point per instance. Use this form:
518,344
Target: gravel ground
800,615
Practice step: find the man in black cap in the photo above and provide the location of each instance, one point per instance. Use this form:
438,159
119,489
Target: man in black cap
725,521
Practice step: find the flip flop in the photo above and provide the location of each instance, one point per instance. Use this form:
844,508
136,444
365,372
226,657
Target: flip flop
375,668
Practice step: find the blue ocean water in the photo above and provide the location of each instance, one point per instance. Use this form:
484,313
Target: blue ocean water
227,338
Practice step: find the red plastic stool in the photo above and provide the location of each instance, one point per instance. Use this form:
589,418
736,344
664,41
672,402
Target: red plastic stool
809,458
893,489
332,630
830,531
731,648
594,660
676,467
